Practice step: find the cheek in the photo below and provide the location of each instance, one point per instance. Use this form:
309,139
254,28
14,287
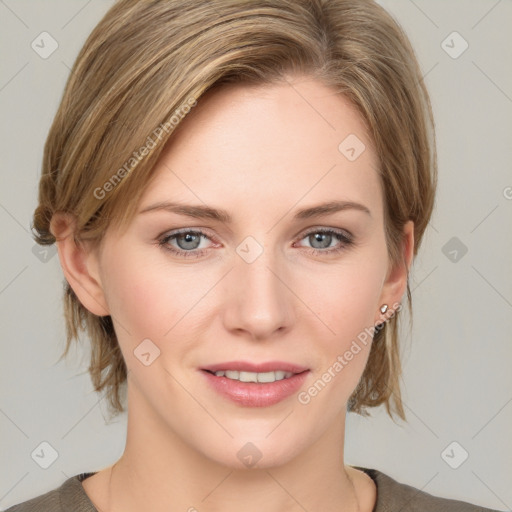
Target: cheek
350,303
137,295
349,306
151,299
345,352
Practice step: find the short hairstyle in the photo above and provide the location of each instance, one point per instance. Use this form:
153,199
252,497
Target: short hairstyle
143,67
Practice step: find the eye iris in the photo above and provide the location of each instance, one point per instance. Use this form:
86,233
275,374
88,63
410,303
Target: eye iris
321,237
190,238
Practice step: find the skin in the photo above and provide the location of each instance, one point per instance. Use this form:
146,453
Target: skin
261,153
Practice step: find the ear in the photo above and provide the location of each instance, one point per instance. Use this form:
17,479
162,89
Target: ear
79,263
395,283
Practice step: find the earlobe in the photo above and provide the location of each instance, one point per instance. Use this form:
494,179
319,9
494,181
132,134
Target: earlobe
395,284
79,264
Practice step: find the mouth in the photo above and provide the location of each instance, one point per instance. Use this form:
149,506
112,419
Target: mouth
255,385
259,377
244,371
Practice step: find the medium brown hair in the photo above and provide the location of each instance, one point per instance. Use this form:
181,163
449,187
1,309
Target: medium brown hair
147,60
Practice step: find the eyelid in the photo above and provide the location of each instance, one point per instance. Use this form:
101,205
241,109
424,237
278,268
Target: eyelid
325,229
302,234
164,239
346,239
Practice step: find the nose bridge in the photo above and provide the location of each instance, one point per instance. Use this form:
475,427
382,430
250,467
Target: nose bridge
258,300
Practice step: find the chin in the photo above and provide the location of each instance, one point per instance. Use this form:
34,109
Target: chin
256,452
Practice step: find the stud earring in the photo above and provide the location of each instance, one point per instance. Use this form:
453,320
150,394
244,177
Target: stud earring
383,309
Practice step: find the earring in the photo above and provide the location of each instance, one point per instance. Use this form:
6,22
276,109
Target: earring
383,309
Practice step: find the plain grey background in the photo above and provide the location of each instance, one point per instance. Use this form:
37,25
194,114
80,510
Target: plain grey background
457,384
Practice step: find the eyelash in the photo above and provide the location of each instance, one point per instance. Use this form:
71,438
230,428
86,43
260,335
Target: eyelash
345,238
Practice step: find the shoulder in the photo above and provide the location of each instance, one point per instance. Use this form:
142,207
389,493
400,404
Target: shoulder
393,495
69,497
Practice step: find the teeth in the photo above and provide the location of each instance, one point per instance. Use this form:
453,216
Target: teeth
254,377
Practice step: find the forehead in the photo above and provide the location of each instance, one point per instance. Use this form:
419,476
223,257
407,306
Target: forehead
281,144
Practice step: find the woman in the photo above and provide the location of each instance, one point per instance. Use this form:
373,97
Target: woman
237,191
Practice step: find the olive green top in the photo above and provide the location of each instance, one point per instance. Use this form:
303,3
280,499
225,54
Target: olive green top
392,496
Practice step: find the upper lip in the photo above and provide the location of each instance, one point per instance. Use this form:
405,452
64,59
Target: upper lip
246,366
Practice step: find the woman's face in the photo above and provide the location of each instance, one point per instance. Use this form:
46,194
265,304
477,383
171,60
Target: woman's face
265,285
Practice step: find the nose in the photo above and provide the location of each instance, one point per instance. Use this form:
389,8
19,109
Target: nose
258,300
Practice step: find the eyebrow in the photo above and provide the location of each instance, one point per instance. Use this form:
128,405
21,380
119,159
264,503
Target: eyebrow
218,214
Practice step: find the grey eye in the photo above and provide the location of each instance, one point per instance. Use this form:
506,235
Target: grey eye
323,239
188,240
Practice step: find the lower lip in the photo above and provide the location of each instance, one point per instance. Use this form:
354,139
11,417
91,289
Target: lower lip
254,394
